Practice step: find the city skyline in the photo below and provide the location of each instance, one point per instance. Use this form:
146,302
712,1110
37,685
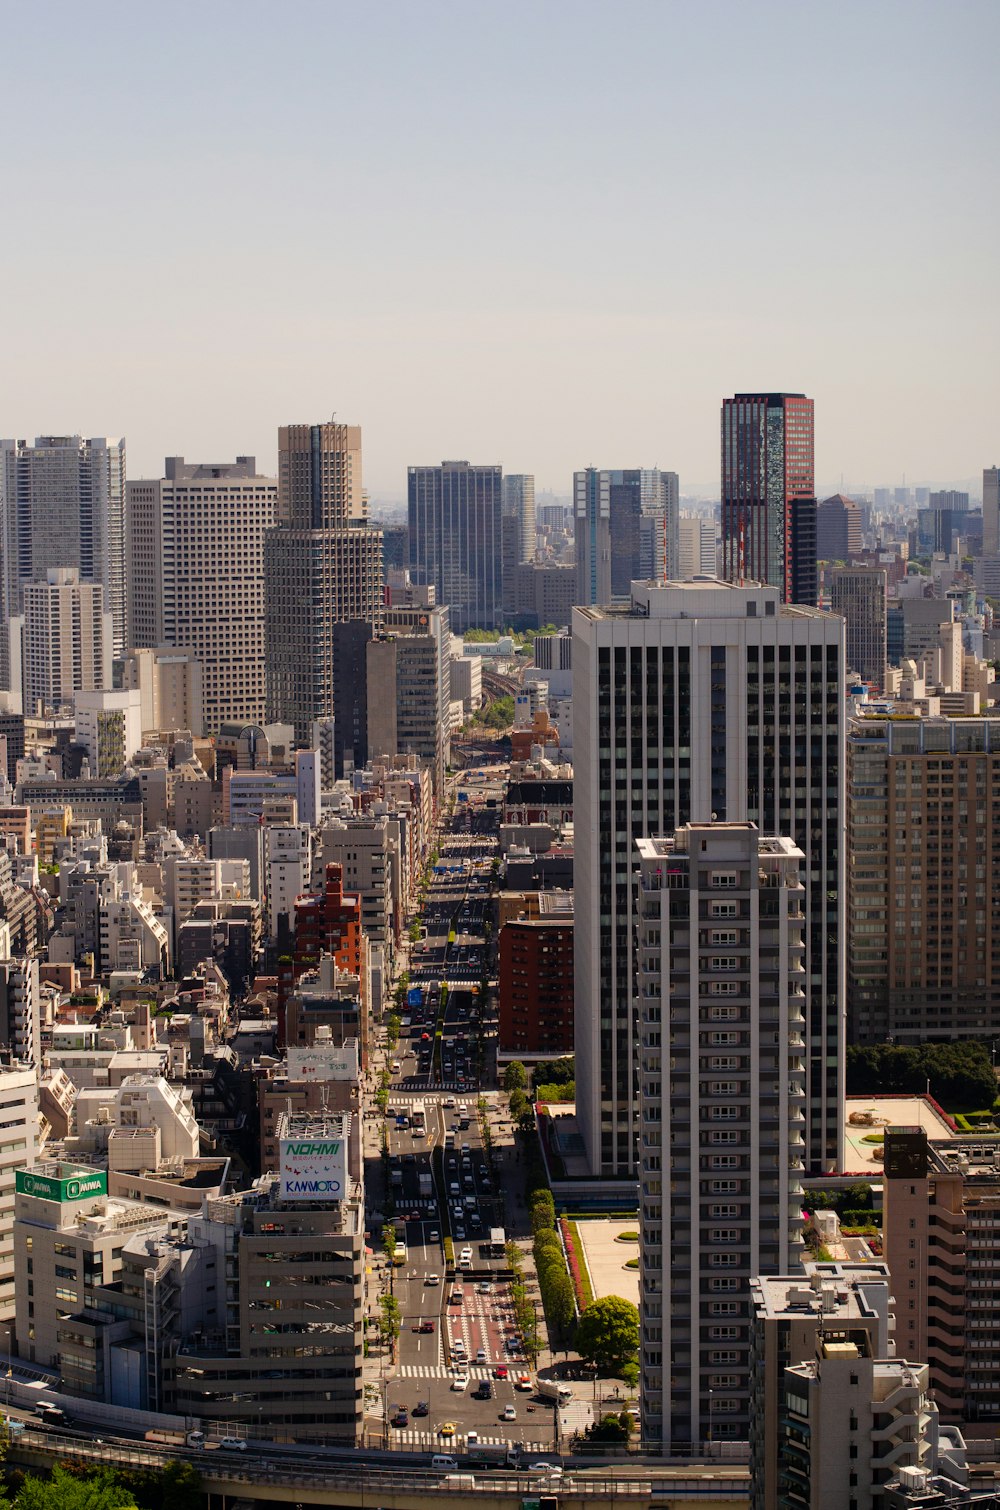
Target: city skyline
466,313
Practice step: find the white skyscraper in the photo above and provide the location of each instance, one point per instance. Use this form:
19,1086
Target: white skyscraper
196,574
698,554
64,643
62,504
701,699
721,998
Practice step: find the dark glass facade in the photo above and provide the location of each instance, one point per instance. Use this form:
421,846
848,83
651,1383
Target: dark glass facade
769,493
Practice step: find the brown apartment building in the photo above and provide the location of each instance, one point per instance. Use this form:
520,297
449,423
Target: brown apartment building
923,866
941,1224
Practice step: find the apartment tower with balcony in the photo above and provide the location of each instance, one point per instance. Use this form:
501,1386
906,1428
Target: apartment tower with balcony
721,998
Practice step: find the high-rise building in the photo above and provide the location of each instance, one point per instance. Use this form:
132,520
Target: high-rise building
517,528
701,699
196,575
991,510
592,535
322,566
626,530
455,516
65,640
859,595
18,1149
412,660
949,498
942,1203
923,836
697,551
838,529
62,502
769,493
788,1312
720,987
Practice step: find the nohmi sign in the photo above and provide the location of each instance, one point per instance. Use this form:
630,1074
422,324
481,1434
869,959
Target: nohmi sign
312,1169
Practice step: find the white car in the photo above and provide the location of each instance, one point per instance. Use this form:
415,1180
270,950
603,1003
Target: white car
432,1279
552,1469
232,1444
509,1413
460,1382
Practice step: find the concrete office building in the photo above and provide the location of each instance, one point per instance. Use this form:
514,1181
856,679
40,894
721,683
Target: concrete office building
697,548
295,1267
720,986
170,685
787,1313
851,1423
18,1143
991,510
65,640
697,699
940,1220
62,502
288,861
68,1238
409,688
455,539
769,493
838,529
859,596
109,727
20,1011
923,908
517,530
196,569
322,567
625,529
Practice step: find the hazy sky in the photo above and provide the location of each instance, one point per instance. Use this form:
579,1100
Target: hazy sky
544,234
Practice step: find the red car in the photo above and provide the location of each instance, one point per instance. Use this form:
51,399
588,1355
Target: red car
425,1326
500,1372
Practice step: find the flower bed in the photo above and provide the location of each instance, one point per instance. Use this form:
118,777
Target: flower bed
577,1263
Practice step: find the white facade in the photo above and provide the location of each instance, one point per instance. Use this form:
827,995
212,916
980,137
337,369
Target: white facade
721,998
170,686
62,504
701,698
109,725
18,1144
66,640
20,1008
287,856
196,570
133,937
698,548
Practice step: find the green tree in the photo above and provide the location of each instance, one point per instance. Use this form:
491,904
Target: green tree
392,1027
608,1334
515,1076
518,1104
389,1240
64,1491
610,1429
558,1072
390,1319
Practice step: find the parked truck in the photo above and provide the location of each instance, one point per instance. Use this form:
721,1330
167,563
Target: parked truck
426,1182
551,1389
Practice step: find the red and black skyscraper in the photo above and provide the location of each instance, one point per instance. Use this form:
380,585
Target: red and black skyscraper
769,493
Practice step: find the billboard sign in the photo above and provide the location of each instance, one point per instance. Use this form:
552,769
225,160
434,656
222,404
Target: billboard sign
81,1185
313,1169
324,1063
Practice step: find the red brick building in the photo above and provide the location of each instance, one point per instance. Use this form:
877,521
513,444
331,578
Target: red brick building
536,984
326,922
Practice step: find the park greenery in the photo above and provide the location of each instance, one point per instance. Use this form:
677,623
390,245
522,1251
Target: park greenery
959,1075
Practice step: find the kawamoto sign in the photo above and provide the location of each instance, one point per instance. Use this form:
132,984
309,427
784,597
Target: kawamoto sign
80,1186
312,1169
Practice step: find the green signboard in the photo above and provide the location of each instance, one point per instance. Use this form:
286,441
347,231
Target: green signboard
79,1186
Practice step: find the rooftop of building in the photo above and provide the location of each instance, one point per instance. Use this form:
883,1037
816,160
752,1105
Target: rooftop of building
702,597
679,843
838,1291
